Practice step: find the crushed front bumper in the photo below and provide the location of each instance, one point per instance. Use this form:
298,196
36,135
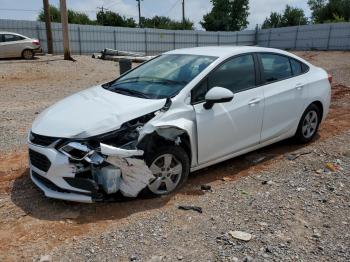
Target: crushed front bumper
48,170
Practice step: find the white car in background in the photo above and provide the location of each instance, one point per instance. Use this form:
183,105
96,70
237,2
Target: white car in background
179,112
16,45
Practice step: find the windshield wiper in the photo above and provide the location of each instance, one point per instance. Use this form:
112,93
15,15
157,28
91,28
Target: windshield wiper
131,92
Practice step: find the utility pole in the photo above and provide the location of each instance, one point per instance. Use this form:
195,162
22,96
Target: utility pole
64,21
103,13
48,26
183,13
139,7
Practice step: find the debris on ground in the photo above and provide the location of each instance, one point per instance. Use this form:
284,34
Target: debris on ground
205,187
331,167
194,208
255,158
292,157
117,55
241,235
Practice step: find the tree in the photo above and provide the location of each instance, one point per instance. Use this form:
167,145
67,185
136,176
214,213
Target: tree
74,17
324,11
291,16
273,21
227,15
164,22
110,18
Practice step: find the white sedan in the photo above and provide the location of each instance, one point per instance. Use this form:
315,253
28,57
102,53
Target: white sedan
16,45
179,112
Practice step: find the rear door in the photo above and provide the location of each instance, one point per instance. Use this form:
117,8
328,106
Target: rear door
284,93
229,127
13,45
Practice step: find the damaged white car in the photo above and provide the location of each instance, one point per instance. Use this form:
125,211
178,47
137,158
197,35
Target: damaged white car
179,112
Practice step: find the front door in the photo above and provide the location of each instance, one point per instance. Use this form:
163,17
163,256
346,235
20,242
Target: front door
233,126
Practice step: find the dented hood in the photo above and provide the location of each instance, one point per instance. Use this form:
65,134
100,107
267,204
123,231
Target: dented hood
92,112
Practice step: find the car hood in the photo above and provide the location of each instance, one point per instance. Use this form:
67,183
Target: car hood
92,112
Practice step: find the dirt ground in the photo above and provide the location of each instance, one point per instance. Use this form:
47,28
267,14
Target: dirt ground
295,210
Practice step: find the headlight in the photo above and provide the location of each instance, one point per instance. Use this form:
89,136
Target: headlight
76,151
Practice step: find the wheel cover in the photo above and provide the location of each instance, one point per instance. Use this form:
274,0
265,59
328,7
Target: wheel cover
27,54
310,124
167,171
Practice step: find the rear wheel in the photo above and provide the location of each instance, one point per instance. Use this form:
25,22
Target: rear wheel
308,125
28,54
170,167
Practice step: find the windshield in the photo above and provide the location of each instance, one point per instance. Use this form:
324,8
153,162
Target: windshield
161,77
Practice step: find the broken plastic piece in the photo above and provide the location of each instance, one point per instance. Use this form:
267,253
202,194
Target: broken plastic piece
135,174
194,208
115,151
109,178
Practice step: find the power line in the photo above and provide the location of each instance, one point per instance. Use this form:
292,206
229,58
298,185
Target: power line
17,9
171,8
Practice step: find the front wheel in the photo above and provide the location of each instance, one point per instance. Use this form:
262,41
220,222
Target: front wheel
170,166
308,125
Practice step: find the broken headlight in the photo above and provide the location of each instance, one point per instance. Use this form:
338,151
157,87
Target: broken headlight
76,151
79,151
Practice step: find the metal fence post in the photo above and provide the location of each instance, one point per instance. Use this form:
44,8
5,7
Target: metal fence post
174,42
115,39
296,38
236,38
79,40
146,51
256,40
197,39
329,36
218,41
269,40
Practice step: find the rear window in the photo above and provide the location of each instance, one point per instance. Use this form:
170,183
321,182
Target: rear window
11,38
298,68
275,67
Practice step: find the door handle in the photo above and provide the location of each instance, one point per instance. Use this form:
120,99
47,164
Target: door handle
254,101
299,86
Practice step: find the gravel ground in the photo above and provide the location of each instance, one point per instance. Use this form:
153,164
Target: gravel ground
293,210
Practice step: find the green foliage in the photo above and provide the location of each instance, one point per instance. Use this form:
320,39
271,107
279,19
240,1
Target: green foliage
291,16
110,18
324,11
74,17
163,22
227,15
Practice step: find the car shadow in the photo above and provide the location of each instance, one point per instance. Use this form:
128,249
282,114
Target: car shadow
32,201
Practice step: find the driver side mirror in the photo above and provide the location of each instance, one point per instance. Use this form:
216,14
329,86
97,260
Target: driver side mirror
217,95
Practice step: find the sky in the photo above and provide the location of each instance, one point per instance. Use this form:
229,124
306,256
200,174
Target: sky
194,9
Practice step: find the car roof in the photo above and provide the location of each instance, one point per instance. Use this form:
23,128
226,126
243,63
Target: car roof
12,33
223,52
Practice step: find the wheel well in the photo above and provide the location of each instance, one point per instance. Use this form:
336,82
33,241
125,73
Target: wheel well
320,107
150,142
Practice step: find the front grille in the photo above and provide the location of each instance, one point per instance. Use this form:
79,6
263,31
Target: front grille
38,160
48,183
42,140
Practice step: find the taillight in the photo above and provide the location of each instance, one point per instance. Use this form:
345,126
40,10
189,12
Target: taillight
36,42
330,78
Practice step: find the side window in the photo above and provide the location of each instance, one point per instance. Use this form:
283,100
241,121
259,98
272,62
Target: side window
11,38
296,67
275,67
1,38
237,74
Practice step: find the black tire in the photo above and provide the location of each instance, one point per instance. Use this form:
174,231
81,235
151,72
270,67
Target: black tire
28,54
180,155
305,137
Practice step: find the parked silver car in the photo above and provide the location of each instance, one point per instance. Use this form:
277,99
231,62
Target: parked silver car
16,45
